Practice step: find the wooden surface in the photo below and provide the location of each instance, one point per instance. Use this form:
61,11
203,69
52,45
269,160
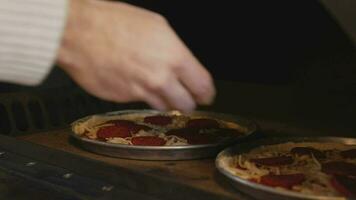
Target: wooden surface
199,174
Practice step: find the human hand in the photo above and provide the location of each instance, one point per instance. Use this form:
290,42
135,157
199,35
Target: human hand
123,53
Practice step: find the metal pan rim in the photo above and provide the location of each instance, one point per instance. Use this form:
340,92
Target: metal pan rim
249,124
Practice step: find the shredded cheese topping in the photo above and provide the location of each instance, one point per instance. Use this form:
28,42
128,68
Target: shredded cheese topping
316,183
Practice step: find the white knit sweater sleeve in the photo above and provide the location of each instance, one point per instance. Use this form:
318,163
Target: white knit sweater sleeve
30,34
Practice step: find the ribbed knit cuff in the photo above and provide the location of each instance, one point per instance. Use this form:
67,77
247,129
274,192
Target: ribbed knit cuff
30,34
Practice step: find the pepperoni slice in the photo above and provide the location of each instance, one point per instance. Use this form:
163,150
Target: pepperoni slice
132,126
339,168
344,185
217,133
193,136
113,131
285,181
349,153
273,161
148,141
307,151
202,123
158,120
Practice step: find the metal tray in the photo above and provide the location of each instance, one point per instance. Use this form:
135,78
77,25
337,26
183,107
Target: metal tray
185,152
264,192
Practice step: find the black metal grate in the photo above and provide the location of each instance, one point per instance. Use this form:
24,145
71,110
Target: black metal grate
23,113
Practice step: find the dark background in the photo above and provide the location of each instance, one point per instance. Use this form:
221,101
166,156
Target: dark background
282,63
254,41
268,42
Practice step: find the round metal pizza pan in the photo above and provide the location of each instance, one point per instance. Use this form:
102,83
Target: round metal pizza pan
264,192
183,152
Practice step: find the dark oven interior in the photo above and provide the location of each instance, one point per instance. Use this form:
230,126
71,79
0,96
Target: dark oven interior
287,65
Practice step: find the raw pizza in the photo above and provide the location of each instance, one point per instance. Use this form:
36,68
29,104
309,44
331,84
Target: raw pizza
322,169
166,129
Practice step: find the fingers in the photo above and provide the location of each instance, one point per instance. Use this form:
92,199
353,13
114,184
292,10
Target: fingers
156,102
177,96
197,80
152,99
167,92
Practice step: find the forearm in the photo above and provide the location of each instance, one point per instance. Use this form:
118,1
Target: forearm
30,34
